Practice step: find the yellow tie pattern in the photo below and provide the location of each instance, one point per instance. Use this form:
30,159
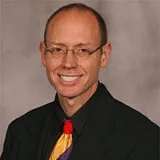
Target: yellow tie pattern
63,146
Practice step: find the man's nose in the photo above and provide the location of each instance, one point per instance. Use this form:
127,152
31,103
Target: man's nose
69,60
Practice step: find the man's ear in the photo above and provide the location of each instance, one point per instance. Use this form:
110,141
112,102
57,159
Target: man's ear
106,50
42,51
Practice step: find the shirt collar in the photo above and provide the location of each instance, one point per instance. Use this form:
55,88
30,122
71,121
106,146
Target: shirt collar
60,115
80,117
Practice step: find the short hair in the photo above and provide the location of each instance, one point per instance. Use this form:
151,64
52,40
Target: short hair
81,6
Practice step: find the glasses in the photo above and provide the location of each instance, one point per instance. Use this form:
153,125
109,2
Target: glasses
59,51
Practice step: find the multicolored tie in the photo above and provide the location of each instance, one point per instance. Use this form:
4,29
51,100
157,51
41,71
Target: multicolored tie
63,146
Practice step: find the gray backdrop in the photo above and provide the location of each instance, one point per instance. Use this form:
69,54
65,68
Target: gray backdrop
133,72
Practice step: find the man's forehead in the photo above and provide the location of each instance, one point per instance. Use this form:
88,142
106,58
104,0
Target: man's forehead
74,13
73,23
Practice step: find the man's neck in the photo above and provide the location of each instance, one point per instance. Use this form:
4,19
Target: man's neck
71,105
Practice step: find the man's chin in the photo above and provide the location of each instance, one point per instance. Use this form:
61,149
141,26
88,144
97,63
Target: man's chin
69,93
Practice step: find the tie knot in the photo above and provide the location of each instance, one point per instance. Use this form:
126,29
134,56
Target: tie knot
68,127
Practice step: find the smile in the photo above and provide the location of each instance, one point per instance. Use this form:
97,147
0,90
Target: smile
69,78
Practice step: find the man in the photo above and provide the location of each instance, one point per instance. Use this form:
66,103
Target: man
75,47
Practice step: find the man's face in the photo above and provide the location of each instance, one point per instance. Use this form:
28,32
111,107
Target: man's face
70,76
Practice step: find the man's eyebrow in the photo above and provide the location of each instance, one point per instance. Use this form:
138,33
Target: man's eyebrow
63,44
82,44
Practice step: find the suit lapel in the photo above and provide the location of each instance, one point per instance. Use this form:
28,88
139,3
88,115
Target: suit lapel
92,144
45,129
98,131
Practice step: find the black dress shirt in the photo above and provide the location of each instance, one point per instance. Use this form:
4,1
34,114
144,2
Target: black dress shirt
78,121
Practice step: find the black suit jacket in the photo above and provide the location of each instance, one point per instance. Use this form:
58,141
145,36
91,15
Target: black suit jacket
118,133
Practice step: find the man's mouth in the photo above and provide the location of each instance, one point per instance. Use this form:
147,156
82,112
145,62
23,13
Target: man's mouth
69,78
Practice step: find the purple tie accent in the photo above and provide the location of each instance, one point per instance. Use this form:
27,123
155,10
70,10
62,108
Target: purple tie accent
66,154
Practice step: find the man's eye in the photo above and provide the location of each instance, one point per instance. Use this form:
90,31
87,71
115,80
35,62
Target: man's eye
57,49
84,50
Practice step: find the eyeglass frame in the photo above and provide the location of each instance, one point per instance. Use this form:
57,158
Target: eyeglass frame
90,52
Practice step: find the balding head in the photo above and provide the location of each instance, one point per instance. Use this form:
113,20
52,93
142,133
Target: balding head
72,27
81,8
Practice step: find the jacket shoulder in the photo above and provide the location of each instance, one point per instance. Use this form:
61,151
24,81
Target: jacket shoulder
32,119
133,118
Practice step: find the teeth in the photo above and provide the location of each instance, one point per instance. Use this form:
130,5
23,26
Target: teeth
66,78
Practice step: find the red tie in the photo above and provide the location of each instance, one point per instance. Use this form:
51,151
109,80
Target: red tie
63,146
